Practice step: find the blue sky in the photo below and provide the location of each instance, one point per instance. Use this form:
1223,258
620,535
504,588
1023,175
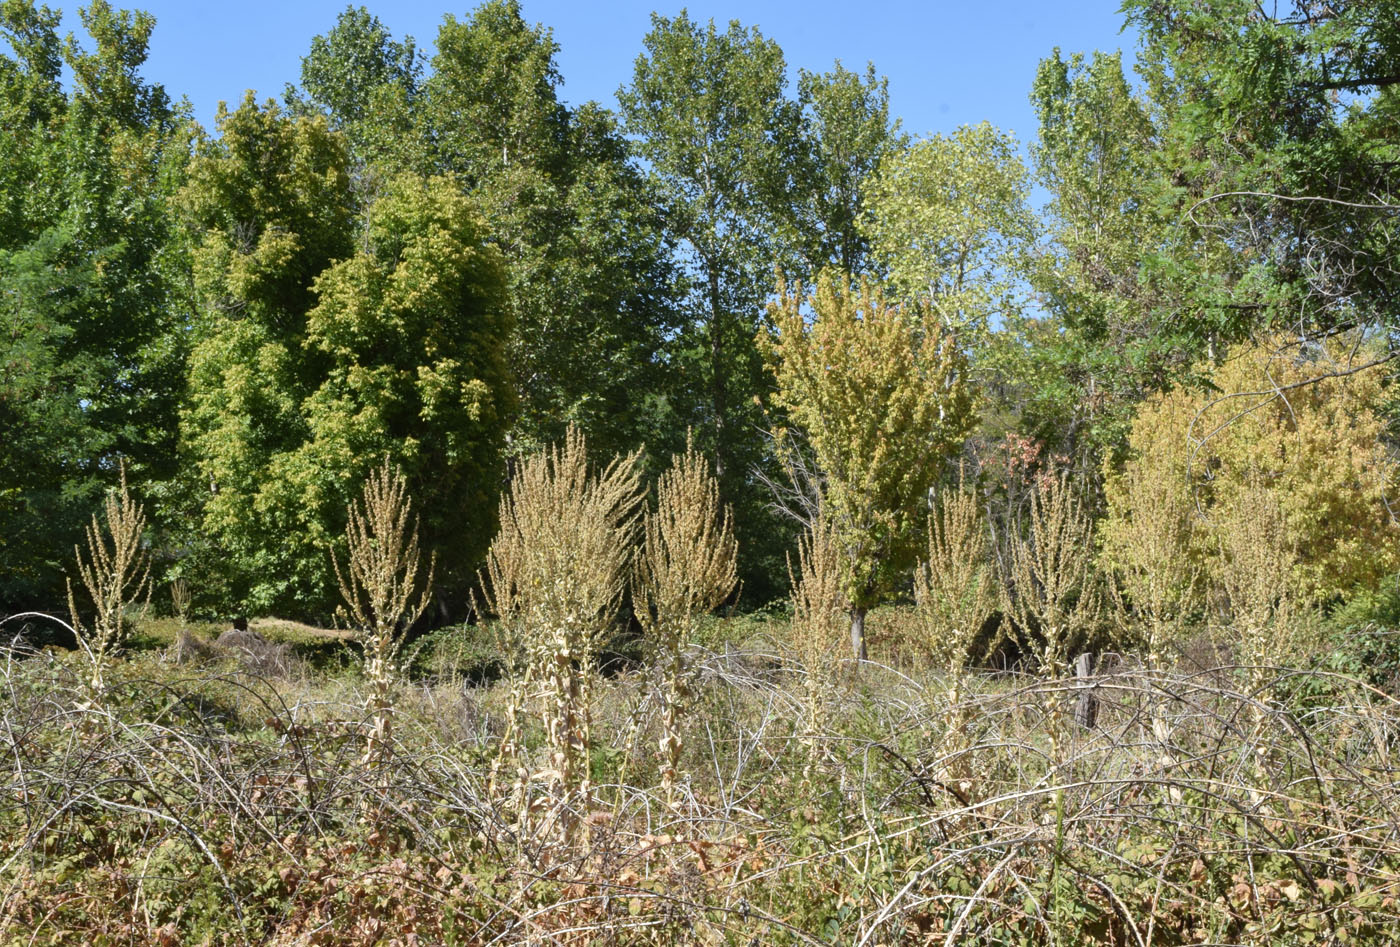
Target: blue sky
948,63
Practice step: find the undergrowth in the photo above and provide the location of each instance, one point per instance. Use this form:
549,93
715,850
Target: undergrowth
209,806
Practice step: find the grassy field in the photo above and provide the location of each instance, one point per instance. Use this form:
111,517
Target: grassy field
203,802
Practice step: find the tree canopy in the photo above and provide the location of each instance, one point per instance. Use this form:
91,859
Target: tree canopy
323,346
91,340
425,255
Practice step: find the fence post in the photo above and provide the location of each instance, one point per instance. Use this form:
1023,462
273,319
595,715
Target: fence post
1086,708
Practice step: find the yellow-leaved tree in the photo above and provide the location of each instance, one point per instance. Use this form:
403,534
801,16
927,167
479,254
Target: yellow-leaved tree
1304,426
882,396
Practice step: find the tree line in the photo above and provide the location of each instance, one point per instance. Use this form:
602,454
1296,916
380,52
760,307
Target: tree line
434,262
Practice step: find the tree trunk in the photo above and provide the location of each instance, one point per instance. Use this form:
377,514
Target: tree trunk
858,632
717,379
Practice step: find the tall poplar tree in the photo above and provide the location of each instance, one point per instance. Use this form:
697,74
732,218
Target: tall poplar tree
949,218
369,86
710,118
846,131
1111,329
588,267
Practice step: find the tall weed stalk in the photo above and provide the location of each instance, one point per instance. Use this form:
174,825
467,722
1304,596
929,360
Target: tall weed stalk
686,569
556,575
115,571
381,587
818,625
955,594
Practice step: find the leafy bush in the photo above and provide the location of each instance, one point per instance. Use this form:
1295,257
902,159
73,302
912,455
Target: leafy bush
454,654
1363,638
1293,422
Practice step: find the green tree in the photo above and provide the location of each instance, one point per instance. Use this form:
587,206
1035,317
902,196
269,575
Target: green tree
1107,333
588,275
33,97
883,399
713,124
269,206
347,65
950,223
949,217
325,348
846,131
412,331
369,85
721,141
90,341
1277,130
1096,155
1243,187
588,268
492,99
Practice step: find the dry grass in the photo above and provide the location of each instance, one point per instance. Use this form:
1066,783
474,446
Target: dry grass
296,632
231,810
1250,803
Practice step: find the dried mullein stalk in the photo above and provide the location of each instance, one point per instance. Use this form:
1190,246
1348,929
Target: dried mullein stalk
955,593
1255,573
1148,544
955,588
556,573
115,571
381,587
1149,547
1054,588
686,569
180,599
819,616
1053,585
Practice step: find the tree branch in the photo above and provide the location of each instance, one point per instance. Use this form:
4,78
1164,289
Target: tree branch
1363,83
